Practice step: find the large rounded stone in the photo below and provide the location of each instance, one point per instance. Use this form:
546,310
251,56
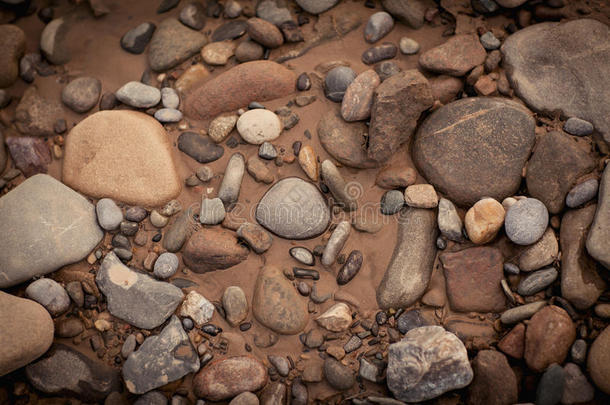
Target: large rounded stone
123,155
316,6
475,147
276,303
293,209
27,332
13,47
345,141
213,249
238,86
598,361
577,86
227,378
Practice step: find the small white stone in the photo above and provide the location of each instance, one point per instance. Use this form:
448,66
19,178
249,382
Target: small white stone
259,125
198,308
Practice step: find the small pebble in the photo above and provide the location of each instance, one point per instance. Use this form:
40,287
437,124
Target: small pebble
489,41
578,127
166,265
408,46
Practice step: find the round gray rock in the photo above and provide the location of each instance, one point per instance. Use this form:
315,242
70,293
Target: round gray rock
578,127
526,221
50,295
109,215
81,94
337,82
166,265
139,95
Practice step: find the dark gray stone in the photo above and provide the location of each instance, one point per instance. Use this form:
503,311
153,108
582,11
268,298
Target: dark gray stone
582,193
377,53
272,11
489,41
135,297
161,359
136,39
193,15
578,127
199,147
337,81
537,281
50,294
551,385
337,375
391,202
230,30
410,320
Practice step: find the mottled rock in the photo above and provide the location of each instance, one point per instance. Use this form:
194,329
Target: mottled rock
410,12
276,304
526,220
197,308
337,81
449,221
30,155
235,305
218,53
135,297
172,43
213,249
548,338
258,126
36,115
557,162
53,41
599,234
199,147
252,81
576,387
337,375
445,88
541,253
34,245
579,51
50,294
139,95
229,30
136,39
100,151
475,147
336,319
221,127
408,273
226,378
377,53
426,363
421,196
81,94
358,98
378,26
455,57
193,15
473,279
13,47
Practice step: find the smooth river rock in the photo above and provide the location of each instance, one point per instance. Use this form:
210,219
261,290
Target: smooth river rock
36,115
172,43
426,363
213,249
237,87
276,303
135,297
598,362
27,332
161,359
579,52
475,147
408,273
455,57
44,225
599,235
293,209
123,155
229,377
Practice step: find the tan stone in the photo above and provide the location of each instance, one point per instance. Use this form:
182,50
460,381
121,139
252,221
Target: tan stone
484,220
191,78
309,162
421,196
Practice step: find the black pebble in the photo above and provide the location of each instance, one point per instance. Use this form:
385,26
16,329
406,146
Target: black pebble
157,237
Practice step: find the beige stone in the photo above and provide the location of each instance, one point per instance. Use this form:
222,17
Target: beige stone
421,196
483,220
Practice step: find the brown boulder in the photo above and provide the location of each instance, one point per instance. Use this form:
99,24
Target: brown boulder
238,86
213,249
227,378
555,166
548,338
513,343
13,47
397,104
36,115
455,57
473,279
494,381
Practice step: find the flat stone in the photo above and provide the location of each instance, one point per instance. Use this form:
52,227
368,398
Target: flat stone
582,193
473,279
598,362
36,245
193,16
358,98
230,30
135,297
199,147
580,53
556,164
29,154
213,249
599,234
377,53
139,95
218,53
551,385
273,11
81,94
522,312
172,43
212,211
293,209
237,87
537,281
27,331
426,363
50,294
421,196
229,377
161,359
337,375
100,151
109,215
525,221
65,371
485,144
396,176
548,338
408,273
576,387
410,320
36,115
578,127
455,57
513,343
387,69
168,115
136,39
276,304
258,126
580,281
337,318
346,142
494,381
410,12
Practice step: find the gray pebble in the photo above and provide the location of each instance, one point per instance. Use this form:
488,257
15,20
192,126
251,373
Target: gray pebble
302,255
391,202
352,344
109,215
212,211
169,98
582,193
335,243
228,191
578,127
449,221
578,351
489,41
193,15
387,69
337,81
386,50
139,95
521,312
267,151
81,94
441,243
123,254
166,265
121,241
511,268
168,115
526,220
50,294
135,214
128,346
129,228
204,173
378,26
136,39
408,46
537,281
280,363
75,291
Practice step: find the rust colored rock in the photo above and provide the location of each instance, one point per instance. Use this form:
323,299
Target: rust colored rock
392,177
473,279
455,57
513,343
397,105
445,88
265,33
213,249
494,381
30,155
227,378
238,86
358,98
548,338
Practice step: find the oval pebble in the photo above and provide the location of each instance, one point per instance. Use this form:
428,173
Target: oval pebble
302,255
350,268
525,221
166,265
537,281
258,126
582,193
378,26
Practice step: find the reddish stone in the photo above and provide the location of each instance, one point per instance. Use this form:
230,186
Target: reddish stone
213,249
226,378
238,86
392,177
455,57
30,155
548,338
494,381
513,343
473,279
445,88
